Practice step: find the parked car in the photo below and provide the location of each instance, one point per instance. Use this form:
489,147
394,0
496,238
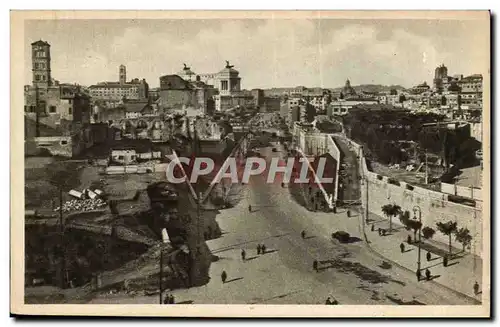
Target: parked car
341,236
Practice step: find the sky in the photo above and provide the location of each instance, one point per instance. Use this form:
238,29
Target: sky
267,52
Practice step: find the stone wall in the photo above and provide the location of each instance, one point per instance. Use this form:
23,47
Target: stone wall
434,206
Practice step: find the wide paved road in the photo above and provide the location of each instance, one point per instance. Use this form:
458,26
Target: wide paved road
284,275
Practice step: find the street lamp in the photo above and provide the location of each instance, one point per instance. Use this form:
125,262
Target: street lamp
415,209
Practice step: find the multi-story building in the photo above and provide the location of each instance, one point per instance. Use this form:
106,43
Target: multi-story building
57,116
471,90
342,107
177,93
116,91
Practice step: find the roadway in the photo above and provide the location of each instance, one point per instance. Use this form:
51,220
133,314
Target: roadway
350,273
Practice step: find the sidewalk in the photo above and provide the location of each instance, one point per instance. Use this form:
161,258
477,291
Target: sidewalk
460,275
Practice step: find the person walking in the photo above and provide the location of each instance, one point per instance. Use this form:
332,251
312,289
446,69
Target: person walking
476,288
373,227
427,274
223,276
171,299
258,249
328,301
249,208
263,249
379,231
402,247
428,256
243,254
315,265
303,234
419,274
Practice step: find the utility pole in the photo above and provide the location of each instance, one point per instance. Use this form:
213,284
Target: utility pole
415,209
63,245
161,273
426,169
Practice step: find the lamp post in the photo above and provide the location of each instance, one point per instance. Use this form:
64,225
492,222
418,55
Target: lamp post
415,209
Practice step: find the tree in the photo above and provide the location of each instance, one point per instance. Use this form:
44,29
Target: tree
464,237
415,225
402,98
404,218
394,92
428,232
448,229
391,210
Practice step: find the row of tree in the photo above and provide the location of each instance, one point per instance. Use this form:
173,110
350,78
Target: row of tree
450,228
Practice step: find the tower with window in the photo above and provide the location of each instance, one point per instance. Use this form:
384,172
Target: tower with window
40,59
123,74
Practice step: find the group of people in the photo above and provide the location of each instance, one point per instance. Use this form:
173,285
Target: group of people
261,249
427,274
169,299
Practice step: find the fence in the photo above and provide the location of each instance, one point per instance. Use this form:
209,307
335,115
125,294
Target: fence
467,192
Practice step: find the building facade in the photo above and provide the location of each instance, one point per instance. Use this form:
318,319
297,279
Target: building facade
116,91
57,116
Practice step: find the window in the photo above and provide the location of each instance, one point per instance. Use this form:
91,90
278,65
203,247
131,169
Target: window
70,101
224,85
36,65
52,109
64,142
70,111
120,157
42,65
37,77
43,77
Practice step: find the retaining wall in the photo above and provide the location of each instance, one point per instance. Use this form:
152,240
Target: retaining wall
434,205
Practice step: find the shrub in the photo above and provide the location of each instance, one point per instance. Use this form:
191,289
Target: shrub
393,181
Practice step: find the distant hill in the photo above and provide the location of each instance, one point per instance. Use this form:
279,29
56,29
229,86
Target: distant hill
371,88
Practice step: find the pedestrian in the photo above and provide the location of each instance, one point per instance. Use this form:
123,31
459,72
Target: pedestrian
166,300
402,247
445,261
348,213
373,227
427,274
315,265
223,276
408,239
171,299
258,248
243,254
303,234
476,288
428,255
379,231
263,249
419,274
328,301
249,208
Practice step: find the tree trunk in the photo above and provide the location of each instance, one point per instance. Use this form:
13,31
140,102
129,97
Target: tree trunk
449,244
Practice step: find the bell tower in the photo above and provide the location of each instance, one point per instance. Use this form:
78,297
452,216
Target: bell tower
40,61
123,74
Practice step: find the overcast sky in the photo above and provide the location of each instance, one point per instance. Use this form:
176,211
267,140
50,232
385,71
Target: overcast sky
268,53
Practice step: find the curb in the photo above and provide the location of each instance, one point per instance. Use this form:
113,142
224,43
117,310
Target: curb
367,242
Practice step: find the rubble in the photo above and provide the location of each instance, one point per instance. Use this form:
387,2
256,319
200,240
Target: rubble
87,200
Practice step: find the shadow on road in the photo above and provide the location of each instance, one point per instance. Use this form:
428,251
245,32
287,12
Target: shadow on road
408,250
251,258
401,302
186,302
308,237
353,239
270,251
233,280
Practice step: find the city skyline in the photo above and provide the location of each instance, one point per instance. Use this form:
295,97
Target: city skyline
314,53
